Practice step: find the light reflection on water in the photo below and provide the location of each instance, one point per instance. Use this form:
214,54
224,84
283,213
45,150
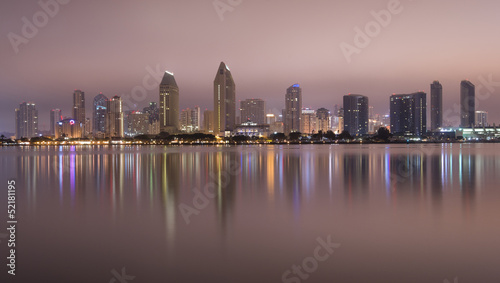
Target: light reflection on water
283,196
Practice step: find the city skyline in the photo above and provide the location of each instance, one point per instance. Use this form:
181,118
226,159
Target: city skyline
169,92
403,57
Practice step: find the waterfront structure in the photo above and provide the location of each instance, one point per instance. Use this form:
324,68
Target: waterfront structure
408,114
79,106
26,120
436,105
356,114
293,109
114,118
69,128
253,110
55,118
224,100
467,104
251,129
99,115
169,104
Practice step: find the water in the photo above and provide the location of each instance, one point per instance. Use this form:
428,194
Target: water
392,213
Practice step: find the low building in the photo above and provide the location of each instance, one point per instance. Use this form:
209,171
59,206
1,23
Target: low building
69,128
252,130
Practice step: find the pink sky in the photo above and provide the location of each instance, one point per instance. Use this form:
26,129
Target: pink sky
105,46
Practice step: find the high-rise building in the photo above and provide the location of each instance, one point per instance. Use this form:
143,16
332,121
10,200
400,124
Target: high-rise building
481,119
153,112
55,118
324,119
138,123
436,105
196,118
293,109
26,120
340,126
99,115
208,121
169,104
356,114
224,100
253,110
467,104
409,114
114,118
190,120
79,106
308,121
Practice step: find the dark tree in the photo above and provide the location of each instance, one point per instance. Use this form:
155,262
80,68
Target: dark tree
330,135
345,135
383,134
295,136
278,137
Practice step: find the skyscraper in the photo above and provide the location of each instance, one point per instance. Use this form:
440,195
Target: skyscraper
308,121
114,118
467,104
253,110
481,119
323,116
26,120
293,109
79,106
99,115
436,105
409,114
224,100
356,114
208,121
55,118
169,104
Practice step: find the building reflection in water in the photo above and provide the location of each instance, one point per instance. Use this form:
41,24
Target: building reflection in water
163,177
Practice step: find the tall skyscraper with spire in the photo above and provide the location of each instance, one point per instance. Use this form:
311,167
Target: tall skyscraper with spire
224,100
99,115
436,105
79,106
169,104
467,104
293,109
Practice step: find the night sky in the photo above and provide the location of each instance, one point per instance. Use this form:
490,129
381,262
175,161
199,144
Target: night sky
107,45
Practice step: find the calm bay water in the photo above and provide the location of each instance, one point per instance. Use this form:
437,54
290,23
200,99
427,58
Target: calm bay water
396,213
